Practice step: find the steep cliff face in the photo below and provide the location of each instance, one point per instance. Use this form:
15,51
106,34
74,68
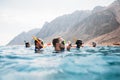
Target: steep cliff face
112,37
24,36
115,8
62,24
84,25
100,21
95,25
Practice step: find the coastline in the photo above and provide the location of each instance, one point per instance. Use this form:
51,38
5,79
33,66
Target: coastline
104,44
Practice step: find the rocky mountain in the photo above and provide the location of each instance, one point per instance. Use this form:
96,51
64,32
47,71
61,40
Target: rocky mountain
113,37
96,24
100,21
98,8
85,25
62,24
24,36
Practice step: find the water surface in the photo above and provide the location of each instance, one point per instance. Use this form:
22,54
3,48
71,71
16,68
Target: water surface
88,63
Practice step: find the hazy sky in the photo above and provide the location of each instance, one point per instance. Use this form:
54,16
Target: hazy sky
17,16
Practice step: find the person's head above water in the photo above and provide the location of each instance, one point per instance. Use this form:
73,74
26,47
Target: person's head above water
79,43
27,44
39,42
94,44
54,41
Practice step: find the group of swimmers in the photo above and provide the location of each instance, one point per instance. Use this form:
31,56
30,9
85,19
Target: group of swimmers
58,44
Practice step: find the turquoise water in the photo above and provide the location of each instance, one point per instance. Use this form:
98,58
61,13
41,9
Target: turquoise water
20,63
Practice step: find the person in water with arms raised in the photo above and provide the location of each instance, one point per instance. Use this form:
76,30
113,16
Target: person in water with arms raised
38,45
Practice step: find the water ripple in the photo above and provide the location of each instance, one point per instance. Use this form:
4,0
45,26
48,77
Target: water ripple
88,63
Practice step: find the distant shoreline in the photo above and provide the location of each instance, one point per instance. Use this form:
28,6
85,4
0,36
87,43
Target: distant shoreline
104,44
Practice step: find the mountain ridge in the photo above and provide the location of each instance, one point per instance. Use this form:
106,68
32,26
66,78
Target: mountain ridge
85,25
23,36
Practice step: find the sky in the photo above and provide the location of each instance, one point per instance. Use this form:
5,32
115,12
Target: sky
17,16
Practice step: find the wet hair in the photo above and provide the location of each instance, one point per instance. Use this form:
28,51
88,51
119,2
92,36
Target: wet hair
94,44
54,41
78,43
27,44
38,46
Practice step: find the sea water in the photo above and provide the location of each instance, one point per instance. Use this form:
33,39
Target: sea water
87,63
